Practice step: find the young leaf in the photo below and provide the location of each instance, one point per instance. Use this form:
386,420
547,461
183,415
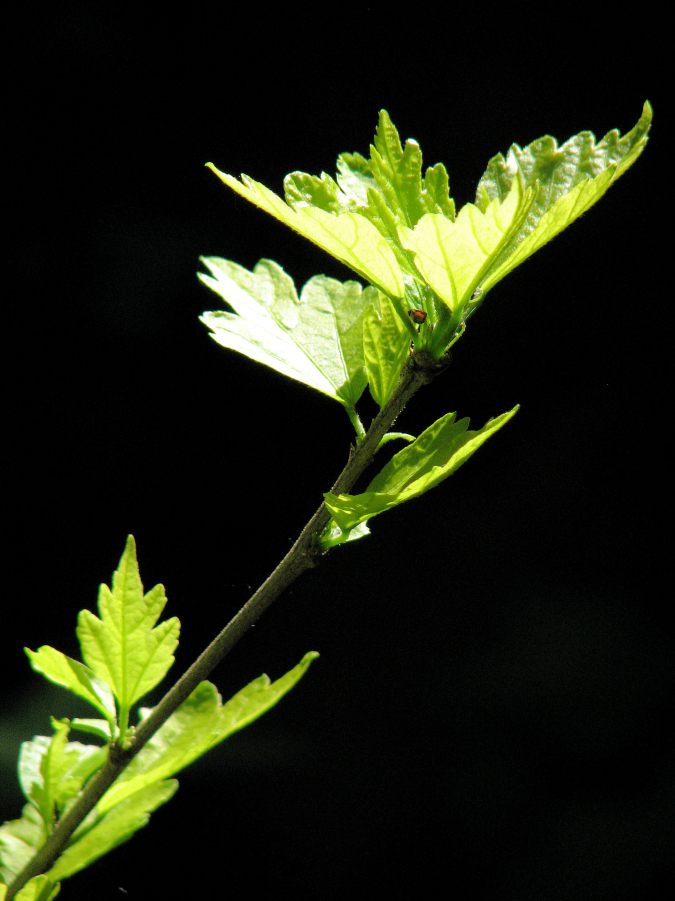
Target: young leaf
199,724
387,189
385,346
567,181
53,770
39,888
333,535
316,339
349,237
74,676
99,728
436,454
116,827
398,175
454,256
19,840
122,647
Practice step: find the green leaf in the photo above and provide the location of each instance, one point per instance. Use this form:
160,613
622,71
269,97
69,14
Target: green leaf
116,827
567,181
53,770
99,728
349,237
398,175
333,535
399,230
431,458
199,724
19,840
454,257
388,189
316,339
122,647
39,888
74,676
385,346
302,190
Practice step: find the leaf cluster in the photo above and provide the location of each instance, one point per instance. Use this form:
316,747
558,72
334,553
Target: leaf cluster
429,269
398,229
126,654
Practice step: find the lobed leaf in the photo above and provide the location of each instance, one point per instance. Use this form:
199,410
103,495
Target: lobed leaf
388,189
399,230
39,888
398,175
333,535
315,339
349,237
454,257
19,840
566,180
53,770
116,827
199,724
431,458
122,647
74,676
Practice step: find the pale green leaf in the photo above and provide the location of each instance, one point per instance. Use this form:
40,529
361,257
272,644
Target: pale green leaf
397,172
431,458
316,339
19,840
566,209
355,179
454,256
385,346
53,770
99,728
567,180
116,827
303,190
388,189
32,761
200,723
39,888
333,535
349,237
74,676
122,647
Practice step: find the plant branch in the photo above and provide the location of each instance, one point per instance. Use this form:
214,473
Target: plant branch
417,371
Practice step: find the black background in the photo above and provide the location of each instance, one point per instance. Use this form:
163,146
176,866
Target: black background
492,705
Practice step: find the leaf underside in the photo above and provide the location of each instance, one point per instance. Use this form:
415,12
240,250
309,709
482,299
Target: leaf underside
315,339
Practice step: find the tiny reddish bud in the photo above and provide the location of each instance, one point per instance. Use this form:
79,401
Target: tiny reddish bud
417,316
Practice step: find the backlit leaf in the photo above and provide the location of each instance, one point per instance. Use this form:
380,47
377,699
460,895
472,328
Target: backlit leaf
431,458
74,676
454,256
349,237
122,647
316,339
52,770
199,724
19,840
116,827
385,346
567,181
